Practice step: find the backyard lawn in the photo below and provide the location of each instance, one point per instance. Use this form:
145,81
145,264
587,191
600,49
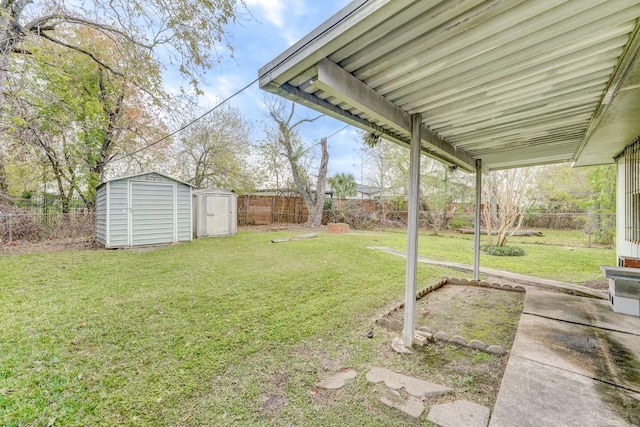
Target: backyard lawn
226,331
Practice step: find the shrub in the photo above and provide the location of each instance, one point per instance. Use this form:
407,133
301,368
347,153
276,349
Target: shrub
503,250
354,215
458,222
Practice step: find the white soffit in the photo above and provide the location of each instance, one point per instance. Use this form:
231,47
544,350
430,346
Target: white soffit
512,82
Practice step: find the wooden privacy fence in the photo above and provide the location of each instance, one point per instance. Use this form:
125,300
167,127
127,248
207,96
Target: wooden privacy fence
262,210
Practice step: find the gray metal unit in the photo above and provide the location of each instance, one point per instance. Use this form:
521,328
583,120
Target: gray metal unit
214,213
145,209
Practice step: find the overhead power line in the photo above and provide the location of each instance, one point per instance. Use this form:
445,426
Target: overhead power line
247,86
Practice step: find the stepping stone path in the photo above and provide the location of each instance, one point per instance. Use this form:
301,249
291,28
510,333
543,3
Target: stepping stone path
411,405
414,386
459,413
338,380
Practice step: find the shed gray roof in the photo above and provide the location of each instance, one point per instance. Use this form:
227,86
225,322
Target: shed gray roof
513,82
213,190
142,174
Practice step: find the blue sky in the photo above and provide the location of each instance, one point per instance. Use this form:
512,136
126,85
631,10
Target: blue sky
278,24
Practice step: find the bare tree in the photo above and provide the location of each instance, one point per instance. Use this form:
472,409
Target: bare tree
214,151
283,136
506,199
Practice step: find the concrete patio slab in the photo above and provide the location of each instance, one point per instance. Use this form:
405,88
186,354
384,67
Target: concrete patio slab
536,394
581,310
593,352
574,362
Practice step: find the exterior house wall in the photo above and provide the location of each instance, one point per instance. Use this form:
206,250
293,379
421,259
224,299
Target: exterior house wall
623,247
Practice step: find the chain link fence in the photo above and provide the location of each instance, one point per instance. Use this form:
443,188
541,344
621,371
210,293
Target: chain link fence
34,227
44,219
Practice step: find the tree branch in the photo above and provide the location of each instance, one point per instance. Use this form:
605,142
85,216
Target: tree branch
84,52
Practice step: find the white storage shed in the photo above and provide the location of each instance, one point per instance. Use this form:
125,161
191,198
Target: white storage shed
145,209
215,213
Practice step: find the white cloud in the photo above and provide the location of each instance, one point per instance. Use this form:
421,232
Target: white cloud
271,10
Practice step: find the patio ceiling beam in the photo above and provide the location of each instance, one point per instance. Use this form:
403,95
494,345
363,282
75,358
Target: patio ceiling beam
337,82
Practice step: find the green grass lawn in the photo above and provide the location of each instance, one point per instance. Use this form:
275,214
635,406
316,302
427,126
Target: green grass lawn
228,331
558,255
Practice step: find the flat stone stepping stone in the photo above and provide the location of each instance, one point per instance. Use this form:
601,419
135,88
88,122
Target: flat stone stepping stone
338,380
397,344
459,413
413,386
410,405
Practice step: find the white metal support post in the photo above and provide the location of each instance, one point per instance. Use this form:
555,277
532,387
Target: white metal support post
412,230
476,232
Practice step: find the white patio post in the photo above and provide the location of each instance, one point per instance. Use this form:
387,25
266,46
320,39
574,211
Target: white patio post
412,229
476,233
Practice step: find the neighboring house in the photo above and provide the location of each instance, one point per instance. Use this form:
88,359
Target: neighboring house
368,192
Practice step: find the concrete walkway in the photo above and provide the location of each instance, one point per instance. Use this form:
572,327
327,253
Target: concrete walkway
574,362
514,277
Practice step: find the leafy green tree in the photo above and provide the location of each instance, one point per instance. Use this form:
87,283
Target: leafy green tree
76,116
603,202
343,185
591,190
443,189
562,188
188,33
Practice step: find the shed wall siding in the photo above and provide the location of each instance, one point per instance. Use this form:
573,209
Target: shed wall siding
214,213
183,210
152,213
118,214
144,209
101,215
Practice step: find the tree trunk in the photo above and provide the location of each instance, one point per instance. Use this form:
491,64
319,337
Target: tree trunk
316,208
4,186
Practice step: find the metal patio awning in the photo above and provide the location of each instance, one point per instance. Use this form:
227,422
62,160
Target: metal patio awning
512,82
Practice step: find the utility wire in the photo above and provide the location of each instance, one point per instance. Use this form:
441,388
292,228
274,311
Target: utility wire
206,113
339,130
247,86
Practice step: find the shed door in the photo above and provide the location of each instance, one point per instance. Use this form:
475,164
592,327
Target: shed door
217,209
152,213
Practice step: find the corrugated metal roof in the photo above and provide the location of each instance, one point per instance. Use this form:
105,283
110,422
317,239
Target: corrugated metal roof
513,82
142,174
